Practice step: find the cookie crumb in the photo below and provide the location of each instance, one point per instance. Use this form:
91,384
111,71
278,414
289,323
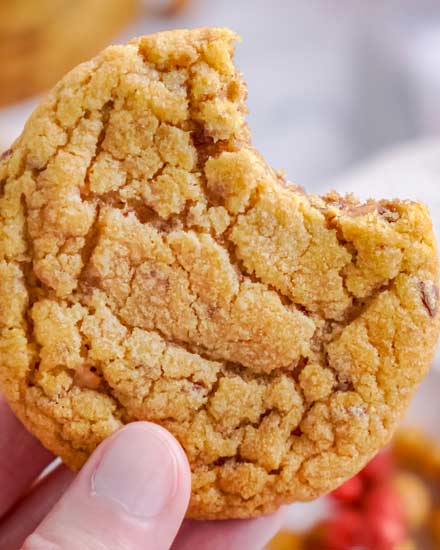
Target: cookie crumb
389,213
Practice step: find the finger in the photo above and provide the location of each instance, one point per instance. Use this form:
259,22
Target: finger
22,458
28,513
245,534
133,493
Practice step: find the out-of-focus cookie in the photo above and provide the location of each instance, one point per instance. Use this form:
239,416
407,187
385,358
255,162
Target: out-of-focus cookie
40,41
154,267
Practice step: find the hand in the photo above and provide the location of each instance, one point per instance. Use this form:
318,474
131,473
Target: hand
132,494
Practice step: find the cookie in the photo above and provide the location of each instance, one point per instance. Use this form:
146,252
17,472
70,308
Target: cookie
40,41
153,267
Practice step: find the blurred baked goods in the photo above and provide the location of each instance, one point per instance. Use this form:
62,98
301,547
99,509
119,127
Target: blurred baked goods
41,40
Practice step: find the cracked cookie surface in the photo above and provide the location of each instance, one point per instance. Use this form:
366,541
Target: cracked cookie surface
152,266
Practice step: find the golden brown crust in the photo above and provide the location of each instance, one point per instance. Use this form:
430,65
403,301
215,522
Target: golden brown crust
154,267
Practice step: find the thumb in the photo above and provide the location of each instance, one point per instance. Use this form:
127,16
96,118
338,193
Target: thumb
132,494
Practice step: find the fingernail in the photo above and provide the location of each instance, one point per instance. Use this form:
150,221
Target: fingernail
138,471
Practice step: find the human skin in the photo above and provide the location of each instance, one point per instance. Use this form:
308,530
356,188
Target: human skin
132,494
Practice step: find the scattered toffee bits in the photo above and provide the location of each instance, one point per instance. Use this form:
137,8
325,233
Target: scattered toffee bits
154,267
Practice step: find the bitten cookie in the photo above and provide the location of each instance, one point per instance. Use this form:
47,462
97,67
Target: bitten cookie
154,267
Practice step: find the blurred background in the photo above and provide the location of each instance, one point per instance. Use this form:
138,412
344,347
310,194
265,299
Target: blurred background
331,82
342,94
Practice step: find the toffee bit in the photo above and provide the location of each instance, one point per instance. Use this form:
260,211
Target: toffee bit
86,378
430,296
6,154
388,213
